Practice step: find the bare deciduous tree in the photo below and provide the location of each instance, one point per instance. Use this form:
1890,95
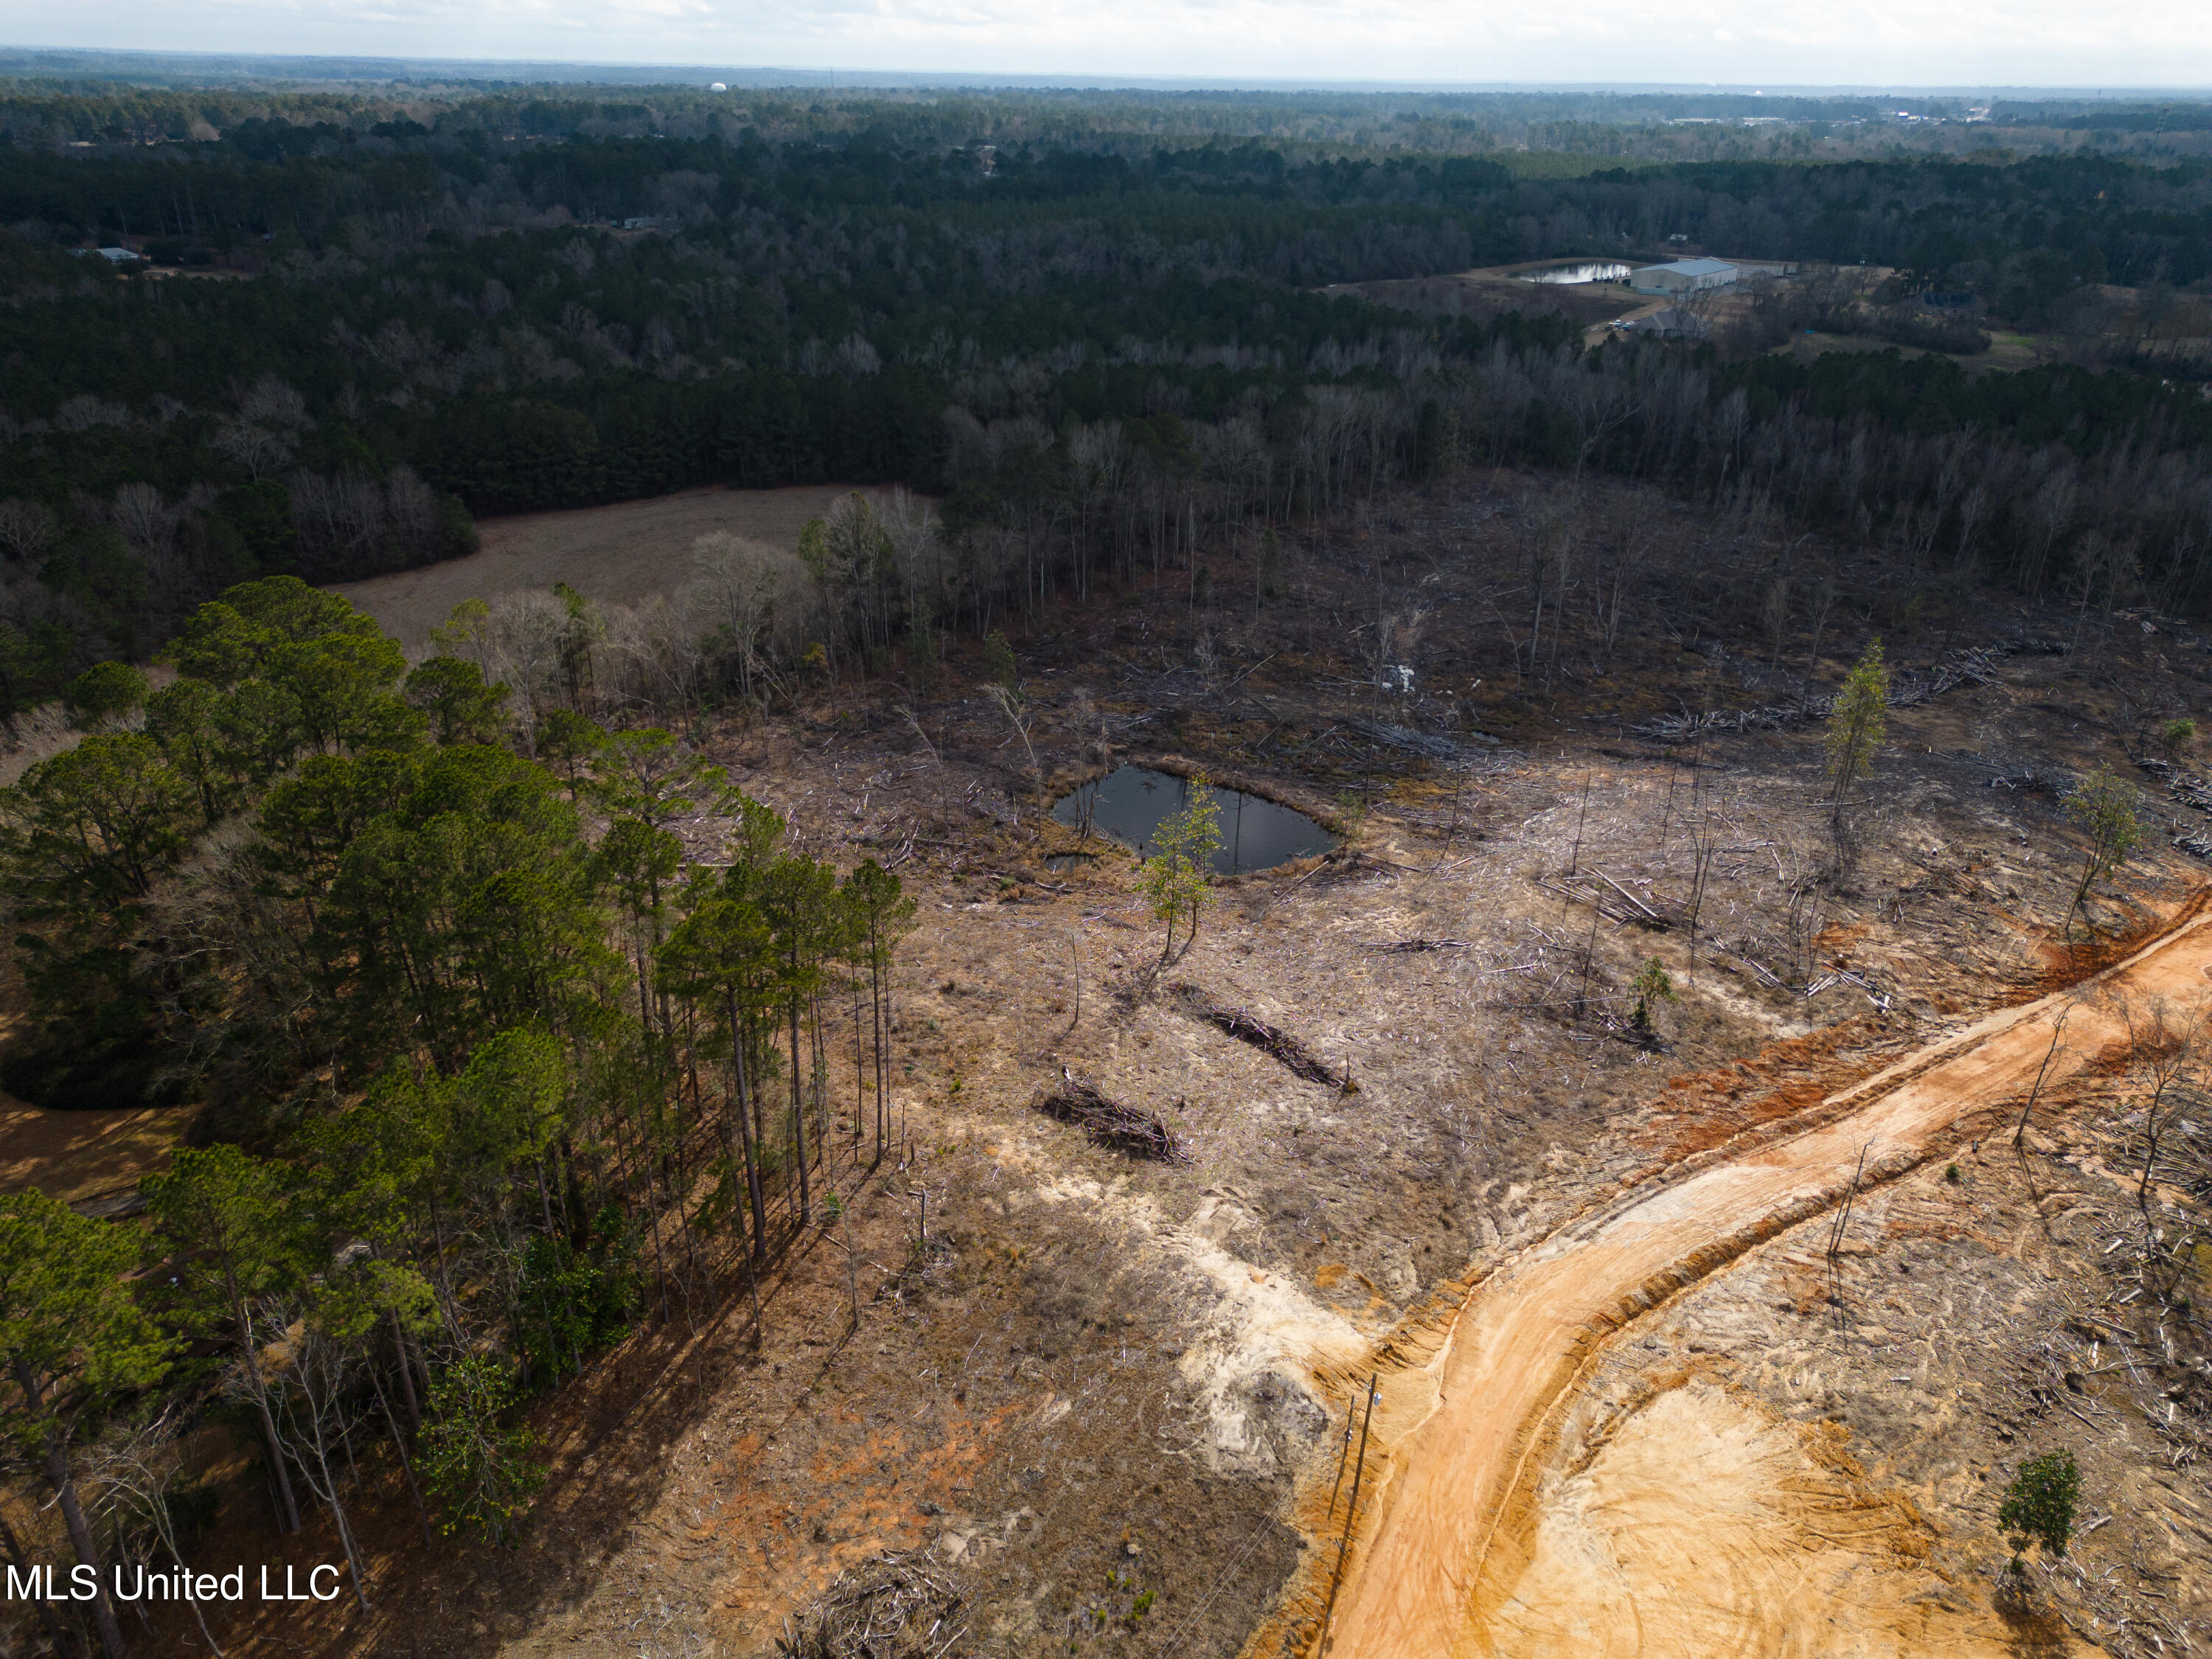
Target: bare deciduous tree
271,402
319,1411
1010,703
2167,1045
759,600
259,449
27,529
141,1466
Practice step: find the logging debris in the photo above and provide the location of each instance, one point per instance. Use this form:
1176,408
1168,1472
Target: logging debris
1909,689
900,1605
1619,905
1136,1130
1278,1044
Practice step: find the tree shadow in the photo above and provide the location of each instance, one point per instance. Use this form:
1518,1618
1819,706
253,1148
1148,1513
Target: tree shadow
606,1437
2033,1630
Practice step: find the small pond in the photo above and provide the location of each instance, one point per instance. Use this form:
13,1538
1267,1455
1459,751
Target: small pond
1256,834
1586,271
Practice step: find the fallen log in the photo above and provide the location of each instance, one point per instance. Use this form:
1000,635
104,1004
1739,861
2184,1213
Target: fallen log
1278,1044
1640,915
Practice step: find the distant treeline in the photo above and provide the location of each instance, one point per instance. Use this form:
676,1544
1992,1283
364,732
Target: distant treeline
309,165
374,329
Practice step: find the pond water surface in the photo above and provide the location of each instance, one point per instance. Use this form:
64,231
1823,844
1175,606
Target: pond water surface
1587,270
1130,804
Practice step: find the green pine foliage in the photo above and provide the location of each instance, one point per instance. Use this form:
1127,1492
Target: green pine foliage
1652,985
75,1344
476,1459
446,1025
1178,876
2039,1506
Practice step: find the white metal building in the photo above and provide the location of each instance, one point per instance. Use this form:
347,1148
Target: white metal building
1682,277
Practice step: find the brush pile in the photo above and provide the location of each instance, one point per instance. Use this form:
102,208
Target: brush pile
900,1605
1135,1130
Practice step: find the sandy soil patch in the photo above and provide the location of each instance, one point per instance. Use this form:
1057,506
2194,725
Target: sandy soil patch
617,554
1705,1524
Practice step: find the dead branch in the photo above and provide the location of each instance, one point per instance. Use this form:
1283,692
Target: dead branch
1635,911
900,1605
1281,1045
1971,667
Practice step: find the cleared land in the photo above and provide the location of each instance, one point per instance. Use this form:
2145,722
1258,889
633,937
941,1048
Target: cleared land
616,555
1489,293
2108,319
1592,1259
1446,1510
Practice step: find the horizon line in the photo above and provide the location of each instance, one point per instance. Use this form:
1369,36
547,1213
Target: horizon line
578,70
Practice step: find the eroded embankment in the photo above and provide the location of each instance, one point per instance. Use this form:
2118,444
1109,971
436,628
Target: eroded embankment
1449,1523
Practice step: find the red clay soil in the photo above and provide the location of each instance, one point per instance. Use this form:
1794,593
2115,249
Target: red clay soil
1448,1527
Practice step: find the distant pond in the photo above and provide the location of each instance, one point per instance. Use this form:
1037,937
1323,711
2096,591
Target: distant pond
1586,271
1130,804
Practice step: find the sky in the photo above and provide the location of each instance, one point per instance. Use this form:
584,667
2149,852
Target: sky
2081,43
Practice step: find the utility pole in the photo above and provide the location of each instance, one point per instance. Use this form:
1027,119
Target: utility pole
1351,1509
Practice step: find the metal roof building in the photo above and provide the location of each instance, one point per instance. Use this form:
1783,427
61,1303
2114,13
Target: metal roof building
1682,277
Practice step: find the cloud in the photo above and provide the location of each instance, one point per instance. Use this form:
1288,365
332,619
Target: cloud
1791,42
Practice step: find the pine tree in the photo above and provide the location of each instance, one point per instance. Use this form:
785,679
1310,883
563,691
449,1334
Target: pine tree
73,1340
882,916
1177,876
1855,733
478,1465
2039,1506
223,1216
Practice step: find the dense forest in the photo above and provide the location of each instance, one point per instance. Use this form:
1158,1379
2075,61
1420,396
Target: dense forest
454,1142
360,324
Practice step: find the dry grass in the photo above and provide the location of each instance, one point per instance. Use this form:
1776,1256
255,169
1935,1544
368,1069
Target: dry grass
87,1158
616,555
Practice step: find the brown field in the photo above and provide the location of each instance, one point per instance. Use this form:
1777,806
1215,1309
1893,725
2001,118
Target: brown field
617,554
90,1159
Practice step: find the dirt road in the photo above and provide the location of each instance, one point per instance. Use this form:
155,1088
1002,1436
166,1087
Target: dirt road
1445,1537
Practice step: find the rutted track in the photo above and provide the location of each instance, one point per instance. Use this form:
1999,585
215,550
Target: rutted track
1451,1516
